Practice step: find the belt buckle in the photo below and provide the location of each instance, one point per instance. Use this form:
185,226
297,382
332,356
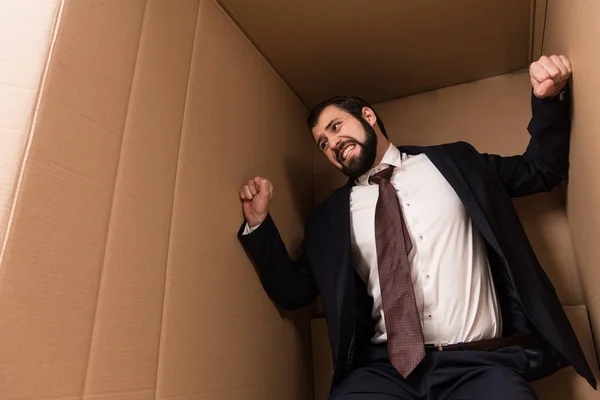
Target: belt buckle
440,347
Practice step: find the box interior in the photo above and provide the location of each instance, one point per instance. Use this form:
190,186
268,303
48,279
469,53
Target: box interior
128,127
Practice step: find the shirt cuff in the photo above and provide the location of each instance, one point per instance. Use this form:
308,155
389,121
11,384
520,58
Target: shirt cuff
248,230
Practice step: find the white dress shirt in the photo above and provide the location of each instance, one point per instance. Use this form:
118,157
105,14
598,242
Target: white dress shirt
450,271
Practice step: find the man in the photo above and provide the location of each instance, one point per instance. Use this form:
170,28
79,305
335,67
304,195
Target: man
429,284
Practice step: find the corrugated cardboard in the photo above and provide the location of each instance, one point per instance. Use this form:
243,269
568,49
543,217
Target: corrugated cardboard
52,263
222,338
121,276
385,49
540,8
112,285
124,352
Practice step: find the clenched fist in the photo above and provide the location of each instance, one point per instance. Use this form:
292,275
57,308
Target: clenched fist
256,198
549,75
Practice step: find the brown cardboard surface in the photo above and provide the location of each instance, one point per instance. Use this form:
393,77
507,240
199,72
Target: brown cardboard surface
565,384
491,114
222,338
111,208
539,27
50,270
124,351
572,29
385,49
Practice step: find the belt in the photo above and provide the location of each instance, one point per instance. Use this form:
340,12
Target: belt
524,341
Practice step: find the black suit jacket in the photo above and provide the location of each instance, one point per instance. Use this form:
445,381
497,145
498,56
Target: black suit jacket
485,183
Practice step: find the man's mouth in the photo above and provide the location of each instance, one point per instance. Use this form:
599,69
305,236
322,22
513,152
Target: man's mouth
345,152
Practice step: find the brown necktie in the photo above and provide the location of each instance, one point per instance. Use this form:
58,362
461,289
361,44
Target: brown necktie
402,321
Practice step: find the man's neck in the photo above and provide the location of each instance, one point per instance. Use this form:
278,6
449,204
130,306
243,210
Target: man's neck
382,147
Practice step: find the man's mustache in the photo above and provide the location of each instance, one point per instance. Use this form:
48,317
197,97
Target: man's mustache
338,150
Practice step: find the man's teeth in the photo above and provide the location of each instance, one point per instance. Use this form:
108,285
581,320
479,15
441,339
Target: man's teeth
347,151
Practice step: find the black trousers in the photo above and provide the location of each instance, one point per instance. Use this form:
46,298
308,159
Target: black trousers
452,375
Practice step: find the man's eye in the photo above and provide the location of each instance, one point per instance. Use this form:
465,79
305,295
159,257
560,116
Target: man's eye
336,126
323,145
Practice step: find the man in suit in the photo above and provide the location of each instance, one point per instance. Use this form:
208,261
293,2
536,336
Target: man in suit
430,287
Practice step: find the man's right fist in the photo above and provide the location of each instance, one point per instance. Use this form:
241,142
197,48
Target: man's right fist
256,198
549,75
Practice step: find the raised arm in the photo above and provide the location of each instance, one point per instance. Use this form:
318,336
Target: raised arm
545,163
290,283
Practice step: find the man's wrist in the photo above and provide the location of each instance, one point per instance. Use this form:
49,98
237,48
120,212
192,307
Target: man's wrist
249,229
254,224
560,95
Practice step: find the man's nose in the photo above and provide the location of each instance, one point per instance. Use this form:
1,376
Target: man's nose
334,143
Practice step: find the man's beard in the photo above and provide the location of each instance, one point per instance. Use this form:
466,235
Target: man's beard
363,162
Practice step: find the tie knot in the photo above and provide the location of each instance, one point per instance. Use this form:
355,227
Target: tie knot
385,175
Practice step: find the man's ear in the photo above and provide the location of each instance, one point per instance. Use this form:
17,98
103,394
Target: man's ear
369,116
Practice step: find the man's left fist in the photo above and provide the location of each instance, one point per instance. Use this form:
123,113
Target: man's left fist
549,75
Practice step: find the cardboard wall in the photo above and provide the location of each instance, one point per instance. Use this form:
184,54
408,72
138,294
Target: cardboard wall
385,49
122,277
538,15
572,29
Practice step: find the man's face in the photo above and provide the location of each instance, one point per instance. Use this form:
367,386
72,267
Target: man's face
348,143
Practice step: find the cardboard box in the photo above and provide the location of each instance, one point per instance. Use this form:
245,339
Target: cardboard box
128,127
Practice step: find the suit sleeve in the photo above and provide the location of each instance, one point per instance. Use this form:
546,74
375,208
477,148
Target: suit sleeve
545,162
289,283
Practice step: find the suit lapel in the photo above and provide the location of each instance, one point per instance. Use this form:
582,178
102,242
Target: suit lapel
455,177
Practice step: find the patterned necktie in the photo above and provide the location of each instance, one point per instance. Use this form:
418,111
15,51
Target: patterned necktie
403,324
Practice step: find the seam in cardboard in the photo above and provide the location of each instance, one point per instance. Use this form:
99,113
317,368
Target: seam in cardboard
532,25
100,395
187,90
544,28
99,287
194,394
59,398
88,119
97,395
31,133
261,52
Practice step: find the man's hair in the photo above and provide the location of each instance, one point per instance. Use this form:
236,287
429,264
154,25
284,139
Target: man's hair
351,104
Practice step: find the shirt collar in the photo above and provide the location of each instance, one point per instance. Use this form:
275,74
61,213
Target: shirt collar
392,157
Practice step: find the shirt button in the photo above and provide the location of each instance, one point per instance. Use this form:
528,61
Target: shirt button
407,204
429,316
420,237
428,276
